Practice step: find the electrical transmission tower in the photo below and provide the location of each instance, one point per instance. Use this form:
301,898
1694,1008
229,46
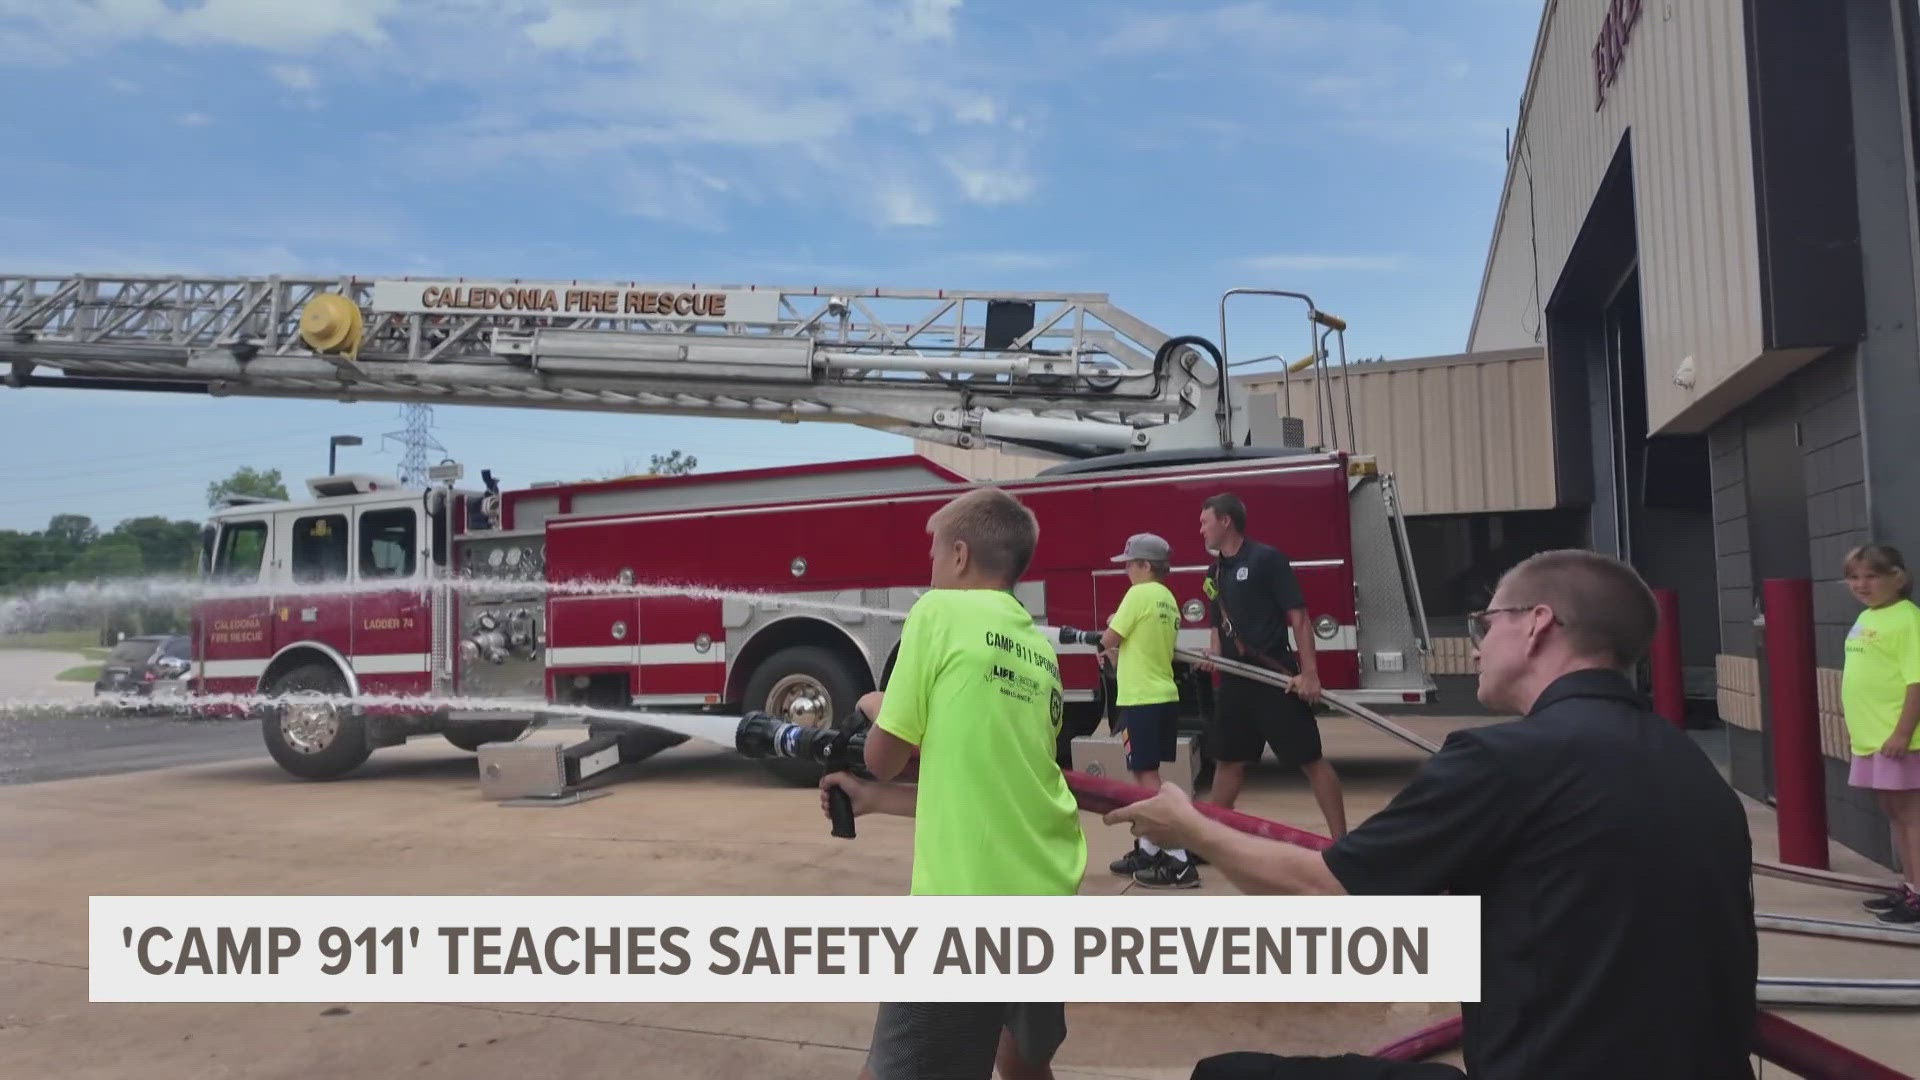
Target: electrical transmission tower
415,442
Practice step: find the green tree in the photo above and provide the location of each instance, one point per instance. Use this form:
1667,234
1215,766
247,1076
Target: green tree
165,546
71,533
112,557
24,556
248,481
673,464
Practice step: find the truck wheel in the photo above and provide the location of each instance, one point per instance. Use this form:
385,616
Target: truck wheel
804,685
470,737
309,736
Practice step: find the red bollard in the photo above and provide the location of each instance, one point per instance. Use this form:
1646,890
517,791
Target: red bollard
1799,774
1669,675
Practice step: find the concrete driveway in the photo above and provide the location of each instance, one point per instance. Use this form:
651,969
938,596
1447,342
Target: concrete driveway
29,675
694,821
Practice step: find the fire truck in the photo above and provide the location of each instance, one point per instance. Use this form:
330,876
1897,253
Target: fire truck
781,590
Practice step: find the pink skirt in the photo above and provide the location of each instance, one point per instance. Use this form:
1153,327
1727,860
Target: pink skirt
1886,774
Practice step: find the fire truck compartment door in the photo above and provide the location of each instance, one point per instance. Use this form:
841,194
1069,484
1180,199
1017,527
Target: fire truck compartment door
313,569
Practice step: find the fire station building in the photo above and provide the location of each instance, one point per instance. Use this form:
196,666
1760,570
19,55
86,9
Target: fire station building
1697,342
1709,227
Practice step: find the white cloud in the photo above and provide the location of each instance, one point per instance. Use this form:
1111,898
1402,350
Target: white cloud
1308,264
267,24
283,24
989,180
193,119
898,204
1254,26
1349,70
793,100
294,76
977,110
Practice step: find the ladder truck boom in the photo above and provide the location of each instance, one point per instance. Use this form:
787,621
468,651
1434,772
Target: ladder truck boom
1067,374
475,613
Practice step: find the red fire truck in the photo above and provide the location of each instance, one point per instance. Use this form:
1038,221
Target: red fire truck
798,577
849,536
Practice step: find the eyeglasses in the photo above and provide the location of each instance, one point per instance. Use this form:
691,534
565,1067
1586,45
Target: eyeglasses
1479,622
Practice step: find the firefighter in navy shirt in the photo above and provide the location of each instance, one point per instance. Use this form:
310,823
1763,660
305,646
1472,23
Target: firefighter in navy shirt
1255,599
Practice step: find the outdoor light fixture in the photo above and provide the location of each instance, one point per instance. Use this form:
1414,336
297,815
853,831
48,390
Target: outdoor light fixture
333,447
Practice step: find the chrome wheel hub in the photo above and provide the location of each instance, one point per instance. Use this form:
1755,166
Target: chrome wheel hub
800,699
309,726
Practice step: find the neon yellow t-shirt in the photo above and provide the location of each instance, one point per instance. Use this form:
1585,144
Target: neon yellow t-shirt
977,689
1147,622
1883,659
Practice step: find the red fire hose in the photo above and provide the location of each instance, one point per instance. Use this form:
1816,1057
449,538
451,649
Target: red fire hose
1778,1040
1098,795
1420,1045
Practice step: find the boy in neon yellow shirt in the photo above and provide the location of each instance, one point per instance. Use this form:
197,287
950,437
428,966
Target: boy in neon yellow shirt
975,694
1142,634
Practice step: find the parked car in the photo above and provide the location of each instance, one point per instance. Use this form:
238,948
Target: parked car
139,665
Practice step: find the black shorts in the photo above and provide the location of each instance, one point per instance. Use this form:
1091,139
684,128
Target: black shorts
1247,714
1151,734
957,1040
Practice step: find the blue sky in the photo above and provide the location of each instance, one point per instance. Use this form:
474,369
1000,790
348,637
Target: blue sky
1159,153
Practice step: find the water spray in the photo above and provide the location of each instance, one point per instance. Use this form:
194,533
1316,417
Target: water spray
81,598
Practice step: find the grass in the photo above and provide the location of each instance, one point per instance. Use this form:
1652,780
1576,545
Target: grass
85,673
76,641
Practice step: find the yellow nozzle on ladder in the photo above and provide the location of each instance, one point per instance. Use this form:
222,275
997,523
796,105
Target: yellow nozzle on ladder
331,323
1331,322
1303,363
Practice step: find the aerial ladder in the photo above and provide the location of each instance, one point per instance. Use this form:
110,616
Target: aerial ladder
1068,375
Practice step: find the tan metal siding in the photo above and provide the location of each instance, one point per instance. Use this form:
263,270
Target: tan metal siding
1465,434
1682,90
982,464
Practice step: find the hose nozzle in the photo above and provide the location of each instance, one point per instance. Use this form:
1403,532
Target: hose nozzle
1071,636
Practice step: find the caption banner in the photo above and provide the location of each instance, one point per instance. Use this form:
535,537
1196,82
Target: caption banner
782,948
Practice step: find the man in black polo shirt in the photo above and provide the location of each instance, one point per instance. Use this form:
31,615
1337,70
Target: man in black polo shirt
1612,861
1255,599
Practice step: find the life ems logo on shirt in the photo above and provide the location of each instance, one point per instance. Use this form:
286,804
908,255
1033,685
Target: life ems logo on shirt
1240,574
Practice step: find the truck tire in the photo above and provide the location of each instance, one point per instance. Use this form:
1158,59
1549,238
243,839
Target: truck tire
807,685
314,741
470,737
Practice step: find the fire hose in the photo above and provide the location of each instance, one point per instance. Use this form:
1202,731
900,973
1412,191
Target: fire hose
1070,636
1804,875
1779,1041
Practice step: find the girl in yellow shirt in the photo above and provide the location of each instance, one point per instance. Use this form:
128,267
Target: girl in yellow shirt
1880,695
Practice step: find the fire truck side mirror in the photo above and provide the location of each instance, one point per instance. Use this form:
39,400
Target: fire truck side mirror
439,523
207,534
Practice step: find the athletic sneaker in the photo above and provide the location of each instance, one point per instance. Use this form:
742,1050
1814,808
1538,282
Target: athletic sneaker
1907,911
1132,862
1885,902
1168,872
